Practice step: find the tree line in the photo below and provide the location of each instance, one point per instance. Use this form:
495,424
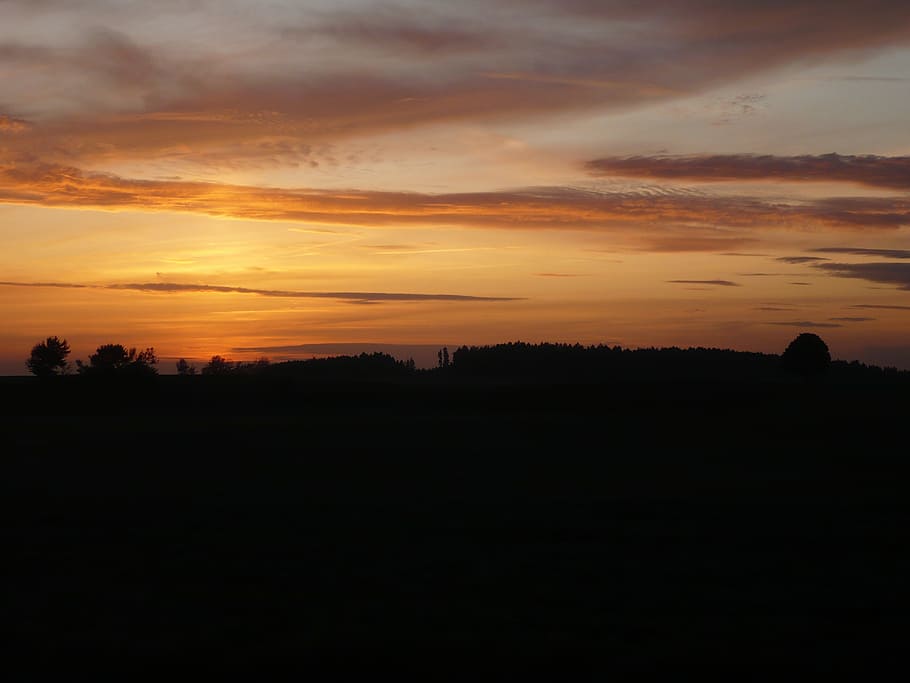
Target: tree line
49,358
807,356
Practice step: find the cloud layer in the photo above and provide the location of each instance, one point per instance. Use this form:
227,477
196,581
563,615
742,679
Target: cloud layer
529,208
351,297
871,170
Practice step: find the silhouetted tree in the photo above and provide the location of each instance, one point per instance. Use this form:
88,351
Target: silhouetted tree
48,358
806,356
218,366
184,369
116,359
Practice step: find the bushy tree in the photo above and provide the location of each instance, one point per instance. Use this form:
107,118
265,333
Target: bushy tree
48,358
219,366
116,359
806,356
184,369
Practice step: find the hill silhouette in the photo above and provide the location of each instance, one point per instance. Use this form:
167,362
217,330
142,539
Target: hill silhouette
534,501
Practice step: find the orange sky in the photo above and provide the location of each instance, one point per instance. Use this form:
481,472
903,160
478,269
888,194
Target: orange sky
285,179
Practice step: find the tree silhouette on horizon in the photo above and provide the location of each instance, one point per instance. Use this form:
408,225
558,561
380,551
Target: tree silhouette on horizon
48,358
807,356
116,359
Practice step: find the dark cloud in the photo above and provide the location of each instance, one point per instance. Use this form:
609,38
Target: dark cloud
44,284
859,251
352,297
558,274
897,274
886,307
720,283
804,284
800,259
802,323
876,171
851,319
316,74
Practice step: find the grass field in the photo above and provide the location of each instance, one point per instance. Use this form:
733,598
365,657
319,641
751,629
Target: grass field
632,526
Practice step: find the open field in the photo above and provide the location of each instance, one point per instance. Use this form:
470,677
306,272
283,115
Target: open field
637,524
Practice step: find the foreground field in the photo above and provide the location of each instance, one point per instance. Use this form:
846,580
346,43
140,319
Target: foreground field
634,525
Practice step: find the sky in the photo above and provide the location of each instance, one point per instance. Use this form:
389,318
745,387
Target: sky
287,179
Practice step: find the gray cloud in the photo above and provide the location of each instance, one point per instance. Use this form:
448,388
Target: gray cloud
886,307
721,283
859,251
800,259
886,273
303,73
802,323
352,297
872,170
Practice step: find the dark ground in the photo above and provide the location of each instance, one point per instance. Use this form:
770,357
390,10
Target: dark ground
616,527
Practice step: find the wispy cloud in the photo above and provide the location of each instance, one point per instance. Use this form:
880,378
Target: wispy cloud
802,323
871,170
851,319
698,216
897,274
885,307
352,297
796,260
860,251
719,283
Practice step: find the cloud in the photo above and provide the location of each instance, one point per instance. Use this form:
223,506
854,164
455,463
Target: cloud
887,307
662,221
297,74
387,31
800,259
851,319
802,323
9,124
720,283
886,273
351,297
65,285
558,274
804,284
858,251
870,170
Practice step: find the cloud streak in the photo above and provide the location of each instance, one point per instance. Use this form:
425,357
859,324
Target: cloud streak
897,274
869,170
351,297
802,323
528,208
858,251
719,283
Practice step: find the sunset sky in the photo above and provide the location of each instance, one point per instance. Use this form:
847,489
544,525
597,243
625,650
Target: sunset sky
290,178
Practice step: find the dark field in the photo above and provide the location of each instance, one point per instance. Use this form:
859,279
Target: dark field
627,526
